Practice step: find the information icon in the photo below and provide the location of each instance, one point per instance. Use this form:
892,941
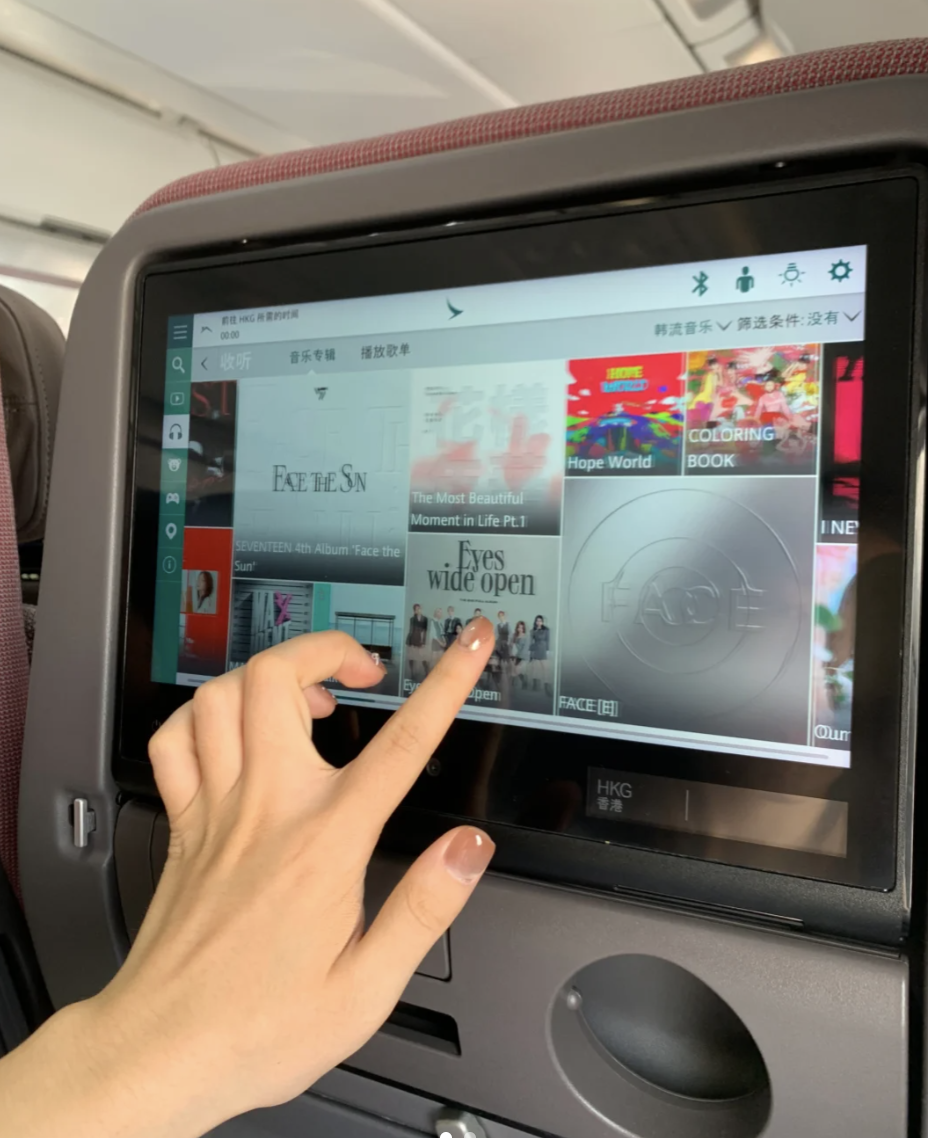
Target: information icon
169,564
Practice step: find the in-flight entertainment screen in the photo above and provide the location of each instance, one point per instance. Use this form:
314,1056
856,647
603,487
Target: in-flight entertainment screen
620,470
667,454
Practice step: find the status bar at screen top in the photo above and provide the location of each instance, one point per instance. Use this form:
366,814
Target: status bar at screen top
783,276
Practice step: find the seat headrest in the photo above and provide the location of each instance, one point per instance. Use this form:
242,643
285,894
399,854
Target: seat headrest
31,363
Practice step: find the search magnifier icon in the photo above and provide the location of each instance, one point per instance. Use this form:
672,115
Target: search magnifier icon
178,365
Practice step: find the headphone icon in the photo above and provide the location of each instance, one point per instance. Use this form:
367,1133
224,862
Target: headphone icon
176,432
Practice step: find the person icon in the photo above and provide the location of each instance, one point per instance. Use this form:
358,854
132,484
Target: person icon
745,282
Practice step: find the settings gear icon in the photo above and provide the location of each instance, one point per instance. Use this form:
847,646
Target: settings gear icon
840,271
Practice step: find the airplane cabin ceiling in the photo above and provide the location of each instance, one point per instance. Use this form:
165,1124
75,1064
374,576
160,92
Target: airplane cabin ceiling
328,70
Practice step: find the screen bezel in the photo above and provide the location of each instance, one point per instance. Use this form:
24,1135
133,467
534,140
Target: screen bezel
407,262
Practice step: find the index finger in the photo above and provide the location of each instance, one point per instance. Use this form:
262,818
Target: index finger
393,760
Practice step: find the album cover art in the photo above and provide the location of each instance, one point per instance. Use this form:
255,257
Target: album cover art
753,411
204,602
211,453
267,613
842,436
687,608
372,615
199,592
486,448
510,581
322,478
625,415
835,628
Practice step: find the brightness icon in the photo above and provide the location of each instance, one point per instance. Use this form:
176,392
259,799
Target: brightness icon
792,274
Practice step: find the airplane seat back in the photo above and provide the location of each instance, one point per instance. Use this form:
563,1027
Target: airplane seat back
31,363
31,359
671,984
32,348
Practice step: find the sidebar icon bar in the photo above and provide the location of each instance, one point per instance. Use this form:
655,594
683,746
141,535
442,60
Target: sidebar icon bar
169,570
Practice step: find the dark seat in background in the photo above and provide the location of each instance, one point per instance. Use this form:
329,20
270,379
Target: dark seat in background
31,363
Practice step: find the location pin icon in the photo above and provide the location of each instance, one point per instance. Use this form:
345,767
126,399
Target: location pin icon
170,529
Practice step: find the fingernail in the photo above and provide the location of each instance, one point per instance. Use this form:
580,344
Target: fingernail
377,660
325,693
468,854
477,633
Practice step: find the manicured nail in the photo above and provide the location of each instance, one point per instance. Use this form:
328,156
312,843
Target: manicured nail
468,854
477,633
375,656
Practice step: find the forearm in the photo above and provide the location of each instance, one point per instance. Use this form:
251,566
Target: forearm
79,1076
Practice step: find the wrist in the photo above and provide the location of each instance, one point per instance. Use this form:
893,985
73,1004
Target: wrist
91,1073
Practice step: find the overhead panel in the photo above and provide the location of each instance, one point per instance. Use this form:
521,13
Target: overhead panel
699,21
801,25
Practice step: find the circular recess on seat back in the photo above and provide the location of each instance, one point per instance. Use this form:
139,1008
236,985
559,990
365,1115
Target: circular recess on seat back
669,1028
653,1048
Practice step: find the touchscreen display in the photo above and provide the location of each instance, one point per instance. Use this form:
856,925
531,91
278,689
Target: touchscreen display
646,479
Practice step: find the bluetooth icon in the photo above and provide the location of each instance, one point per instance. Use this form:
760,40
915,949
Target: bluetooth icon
701,287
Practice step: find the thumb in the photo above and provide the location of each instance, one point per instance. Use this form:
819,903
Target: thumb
422,907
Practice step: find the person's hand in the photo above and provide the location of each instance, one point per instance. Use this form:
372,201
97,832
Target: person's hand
250,976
